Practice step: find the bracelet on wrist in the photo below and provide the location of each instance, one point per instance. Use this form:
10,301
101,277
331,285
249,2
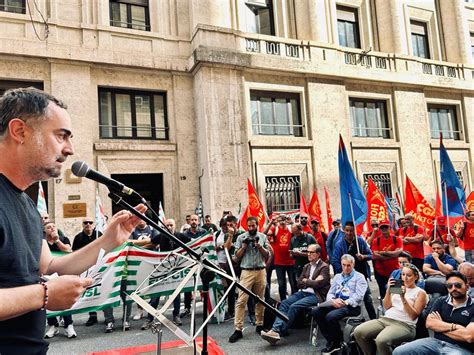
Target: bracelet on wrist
45,298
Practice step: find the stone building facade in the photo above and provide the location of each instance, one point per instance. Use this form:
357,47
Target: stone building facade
187,97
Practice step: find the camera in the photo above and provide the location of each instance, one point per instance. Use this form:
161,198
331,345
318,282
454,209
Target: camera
251,242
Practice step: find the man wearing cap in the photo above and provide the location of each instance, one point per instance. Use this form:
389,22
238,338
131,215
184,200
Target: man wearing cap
385,251
413,236
441,233
320,236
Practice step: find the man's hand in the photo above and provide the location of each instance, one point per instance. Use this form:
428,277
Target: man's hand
64,291
121,226
338,303
231,231
360,257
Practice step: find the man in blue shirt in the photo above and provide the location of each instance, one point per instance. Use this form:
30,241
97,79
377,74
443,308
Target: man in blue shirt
344,299
436,266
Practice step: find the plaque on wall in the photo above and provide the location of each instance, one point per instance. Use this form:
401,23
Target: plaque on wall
74,210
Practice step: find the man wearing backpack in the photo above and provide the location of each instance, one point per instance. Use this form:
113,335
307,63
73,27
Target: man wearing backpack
385,249
466,234
299,247
413,237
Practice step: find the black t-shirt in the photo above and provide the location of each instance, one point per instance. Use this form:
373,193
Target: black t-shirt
199,233
461,315
21,238
166,244
147,232
82,239
63,239
360,265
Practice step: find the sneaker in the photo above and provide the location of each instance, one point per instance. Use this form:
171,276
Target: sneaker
91,321
187,312
252,319
236,336
271,336
52,331
177,321
228,316
109,328
259,329
70,332
331,348
138,315
147,324
126,325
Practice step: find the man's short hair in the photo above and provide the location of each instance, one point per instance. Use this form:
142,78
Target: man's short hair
437,241
25,104
222,222
456,274
230,218
348,257
252,218
207,216
405,254
317,248
349,223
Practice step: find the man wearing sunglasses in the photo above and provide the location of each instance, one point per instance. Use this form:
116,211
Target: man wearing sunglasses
452,321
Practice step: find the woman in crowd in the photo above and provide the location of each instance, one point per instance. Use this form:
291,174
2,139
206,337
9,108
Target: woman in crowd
399,322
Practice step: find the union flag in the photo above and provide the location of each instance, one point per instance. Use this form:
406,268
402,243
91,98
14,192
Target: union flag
314,209
254,208
415,204
377,204
328,209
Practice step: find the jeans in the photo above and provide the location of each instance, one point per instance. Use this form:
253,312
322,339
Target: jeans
430,346
269,269
293,306
154,302
281,272
328,320
378,335
382,283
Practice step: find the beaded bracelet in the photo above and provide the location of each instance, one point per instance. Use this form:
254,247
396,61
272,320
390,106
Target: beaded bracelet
45,300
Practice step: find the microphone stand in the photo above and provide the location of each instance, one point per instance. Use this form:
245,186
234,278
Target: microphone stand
209,269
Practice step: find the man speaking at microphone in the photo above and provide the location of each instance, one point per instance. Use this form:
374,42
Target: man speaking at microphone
35,141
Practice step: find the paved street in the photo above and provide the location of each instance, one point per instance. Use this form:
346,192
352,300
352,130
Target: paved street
94,339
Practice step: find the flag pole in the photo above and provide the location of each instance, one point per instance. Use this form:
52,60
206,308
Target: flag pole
447,211
353,221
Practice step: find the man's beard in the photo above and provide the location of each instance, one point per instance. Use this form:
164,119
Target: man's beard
458,295
253,233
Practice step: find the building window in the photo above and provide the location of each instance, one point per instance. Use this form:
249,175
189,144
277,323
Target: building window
383,181
130,14
419,39
276,114
260,17
348,27
282,193
443,120
369,118
16,6
132,114
472,45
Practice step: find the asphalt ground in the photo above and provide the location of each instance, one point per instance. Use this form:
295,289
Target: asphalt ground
94,338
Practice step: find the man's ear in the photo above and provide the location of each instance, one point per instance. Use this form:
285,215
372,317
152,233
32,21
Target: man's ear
17,130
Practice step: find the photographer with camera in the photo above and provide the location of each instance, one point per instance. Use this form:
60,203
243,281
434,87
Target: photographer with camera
403,303
251,253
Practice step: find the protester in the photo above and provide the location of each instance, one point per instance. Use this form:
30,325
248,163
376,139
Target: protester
436,266
441,233
404,259
208,225
374,230
303,220
467,269
386,248
413,236
452,321
251,251
333,238
35,141
466,234
344,299
299,247
314,283
320,236
398,324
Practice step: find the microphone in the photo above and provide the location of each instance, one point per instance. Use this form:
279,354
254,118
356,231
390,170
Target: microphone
81,169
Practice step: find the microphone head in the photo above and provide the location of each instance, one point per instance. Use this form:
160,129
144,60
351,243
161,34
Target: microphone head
79,168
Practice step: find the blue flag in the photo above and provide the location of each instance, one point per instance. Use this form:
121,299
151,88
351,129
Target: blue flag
351,191
454,197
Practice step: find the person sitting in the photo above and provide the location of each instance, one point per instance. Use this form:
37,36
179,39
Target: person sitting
344,299
313,283
467,269
401,313
404,259
452,321
436,266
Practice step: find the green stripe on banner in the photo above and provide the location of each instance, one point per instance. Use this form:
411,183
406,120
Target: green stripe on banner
129,263
129,272
129,282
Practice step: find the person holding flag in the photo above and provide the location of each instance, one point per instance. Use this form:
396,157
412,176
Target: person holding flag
413,237
441,233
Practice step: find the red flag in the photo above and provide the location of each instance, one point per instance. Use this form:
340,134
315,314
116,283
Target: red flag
303,205
470,202
415,204
438,209
254,208
328,209
376,203
314,209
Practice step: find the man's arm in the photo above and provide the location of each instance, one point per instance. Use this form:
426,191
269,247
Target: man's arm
452,330
429,271
444,268
321,280
361,287
121,226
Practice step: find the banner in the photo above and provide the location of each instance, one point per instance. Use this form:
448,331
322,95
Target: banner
128,266
377,205
303,205
41,204
470,202
415,204
254,208
328,209
314,209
